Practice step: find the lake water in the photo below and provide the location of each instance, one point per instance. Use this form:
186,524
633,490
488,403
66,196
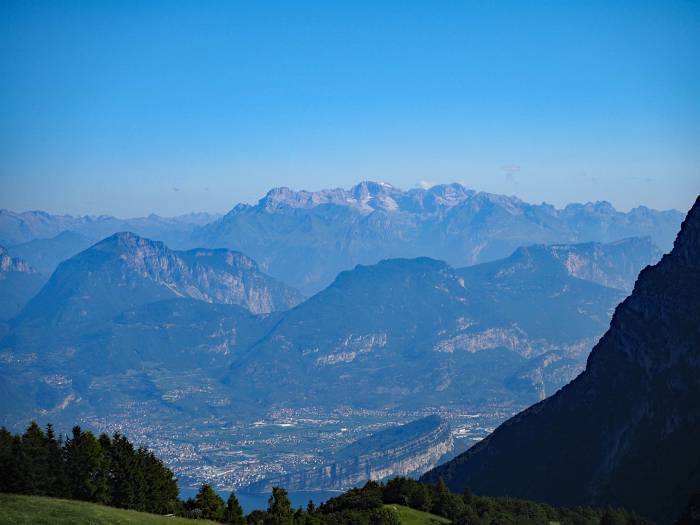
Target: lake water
251,502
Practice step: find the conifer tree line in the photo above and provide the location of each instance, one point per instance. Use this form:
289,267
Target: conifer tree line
111,471
105,470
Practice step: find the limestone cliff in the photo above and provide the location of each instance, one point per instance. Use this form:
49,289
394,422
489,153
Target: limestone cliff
406,450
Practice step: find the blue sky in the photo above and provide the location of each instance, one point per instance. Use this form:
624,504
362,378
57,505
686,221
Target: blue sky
135,107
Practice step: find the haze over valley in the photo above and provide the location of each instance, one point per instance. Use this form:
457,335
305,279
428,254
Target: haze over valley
220,363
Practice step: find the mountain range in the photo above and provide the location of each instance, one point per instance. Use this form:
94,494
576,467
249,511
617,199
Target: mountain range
306,238
217,334
22,227
117,318
624,432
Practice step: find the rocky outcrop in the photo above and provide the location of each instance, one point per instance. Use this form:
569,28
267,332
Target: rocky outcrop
626,431
18,284
12,264
407,450
614,264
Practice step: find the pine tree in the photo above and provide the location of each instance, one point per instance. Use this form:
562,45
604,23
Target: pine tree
467,496
613,516
35,460
160,487
123,477
210,503
12,478
55,468
86,468
234,511
279,508
440,496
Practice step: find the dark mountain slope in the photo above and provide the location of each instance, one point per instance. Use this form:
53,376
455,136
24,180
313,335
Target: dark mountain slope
627,430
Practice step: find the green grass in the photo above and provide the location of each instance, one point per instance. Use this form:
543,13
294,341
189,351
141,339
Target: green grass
37,510
410,516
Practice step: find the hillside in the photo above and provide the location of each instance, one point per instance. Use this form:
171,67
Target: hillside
409,516
417,332
37,510
624,432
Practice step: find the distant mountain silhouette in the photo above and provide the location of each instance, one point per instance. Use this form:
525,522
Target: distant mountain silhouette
23,227
306,238
627,430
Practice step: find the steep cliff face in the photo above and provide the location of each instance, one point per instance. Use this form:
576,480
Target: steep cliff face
627,430
614,264
402,451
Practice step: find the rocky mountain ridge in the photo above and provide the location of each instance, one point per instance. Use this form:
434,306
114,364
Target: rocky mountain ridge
125,271
306,238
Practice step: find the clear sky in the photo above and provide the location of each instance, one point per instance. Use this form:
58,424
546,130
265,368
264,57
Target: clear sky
134,107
